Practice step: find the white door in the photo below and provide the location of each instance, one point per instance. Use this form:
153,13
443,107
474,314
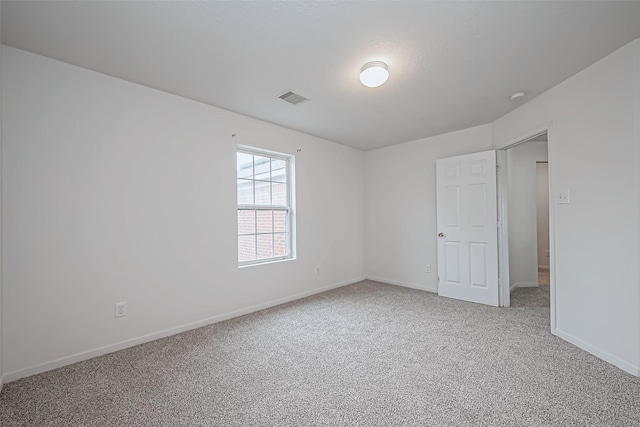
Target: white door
468,228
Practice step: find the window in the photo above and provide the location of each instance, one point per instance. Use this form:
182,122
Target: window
264,207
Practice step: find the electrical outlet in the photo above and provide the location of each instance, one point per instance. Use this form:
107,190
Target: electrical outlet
121,309
427,268
563,198
317,270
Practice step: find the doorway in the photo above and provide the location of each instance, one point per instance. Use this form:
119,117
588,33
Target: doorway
472,195
526,237
528,222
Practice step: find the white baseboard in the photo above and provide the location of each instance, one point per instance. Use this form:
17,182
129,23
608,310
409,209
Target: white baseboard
89,354
523,285
403,284
526,285
599,353
543,267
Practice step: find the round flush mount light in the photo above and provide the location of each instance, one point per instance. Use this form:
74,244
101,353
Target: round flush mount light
516,96
374,74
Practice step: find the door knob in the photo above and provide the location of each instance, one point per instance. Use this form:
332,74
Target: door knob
441,234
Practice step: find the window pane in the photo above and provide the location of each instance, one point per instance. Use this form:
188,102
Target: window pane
246,248
265,221
263,193
245,165
262,168
245,192
279,194
279,221
278,170
265,246
246,222
262,182
280,244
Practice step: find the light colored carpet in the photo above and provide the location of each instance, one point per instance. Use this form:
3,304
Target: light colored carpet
533,297
368,354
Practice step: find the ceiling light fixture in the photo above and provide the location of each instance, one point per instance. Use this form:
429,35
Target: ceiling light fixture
517,95
374,74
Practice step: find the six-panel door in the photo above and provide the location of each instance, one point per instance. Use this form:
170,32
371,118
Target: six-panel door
467,228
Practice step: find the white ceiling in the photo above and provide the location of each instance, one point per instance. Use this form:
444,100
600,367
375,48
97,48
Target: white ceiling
453,64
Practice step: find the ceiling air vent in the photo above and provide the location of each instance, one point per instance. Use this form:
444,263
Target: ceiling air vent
293,98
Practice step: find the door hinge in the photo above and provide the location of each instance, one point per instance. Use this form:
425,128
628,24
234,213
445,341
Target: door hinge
499,224
498,167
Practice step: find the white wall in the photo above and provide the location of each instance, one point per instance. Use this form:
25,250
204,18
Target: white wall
117,192
1,371
522,197
593,153
400,219
542,216
637,137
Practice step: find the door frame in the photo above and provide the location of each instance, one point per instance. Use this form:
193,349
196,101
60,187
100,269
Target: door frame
502,177
503,215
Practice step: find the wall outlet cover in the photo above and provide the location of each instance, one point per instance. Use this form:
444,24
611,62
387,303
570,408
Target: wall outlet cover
563,198
120,309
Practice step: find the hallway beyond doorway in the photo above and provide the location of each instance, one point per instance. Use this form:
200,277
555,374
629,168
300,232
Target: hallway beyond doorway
535,296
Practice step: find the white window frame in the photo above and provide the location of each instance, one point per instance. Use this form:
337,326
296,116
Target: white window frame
289,208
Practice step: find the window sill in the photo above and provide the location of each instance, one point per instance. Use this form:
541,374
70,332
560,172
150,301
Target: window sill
273,261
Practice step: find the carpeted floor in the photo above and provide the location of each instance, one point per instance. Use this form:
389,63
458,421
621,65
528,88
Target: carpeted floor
533,297
368,354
